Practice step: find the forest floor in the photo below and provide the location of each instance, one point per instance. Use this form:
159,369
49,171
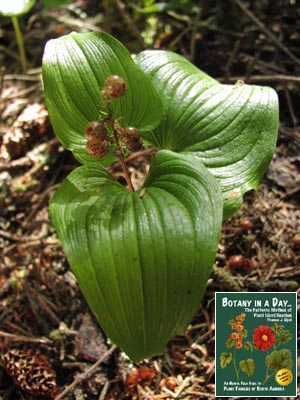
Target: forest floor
48,337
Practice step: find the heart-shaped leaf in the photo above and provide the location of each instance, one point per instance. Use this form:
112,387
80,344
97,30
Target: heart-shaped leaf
142,259
231,128
247,366
75,68
225,359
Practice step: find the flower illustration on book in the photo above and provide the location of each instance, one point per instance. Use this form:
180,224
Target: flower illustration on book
237,341
265,338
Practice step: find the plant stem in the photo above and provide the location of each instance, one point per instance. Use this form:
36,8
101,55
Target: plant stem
20,42
121,157
235,366
125,171
267,377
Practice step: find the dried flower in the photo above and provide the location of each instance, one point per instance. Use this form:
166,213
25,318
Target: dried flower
131,138
97,138
97,148
114,87
95,130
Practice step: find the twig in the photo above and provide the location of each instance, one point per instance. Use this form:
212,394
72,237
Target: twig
182,386
177,39
86,374
107,18
23,92
193,40
290,106
199,394
19,77
42,197
2,72
104,390
20,338
18,163
267,32
147,151
10,236
271,271
78,24
266,78
236,48
263,64
25,242
47,309
129,22
252,63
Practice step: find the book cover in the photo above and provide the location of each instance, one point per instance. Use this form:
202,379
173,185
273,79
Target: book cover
256,344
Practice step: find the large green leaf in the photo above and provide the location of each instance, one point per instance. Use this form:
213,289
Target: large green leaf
75,68
14,8
231,128
142,259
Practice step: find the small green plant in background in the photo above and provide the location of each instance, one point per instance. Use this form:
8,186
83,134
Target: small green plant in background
142,256
151,6
14,9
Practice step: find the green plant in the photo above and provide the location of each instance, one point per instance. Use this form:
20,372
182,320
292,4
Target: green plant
142,256
14,9
156,7
55,3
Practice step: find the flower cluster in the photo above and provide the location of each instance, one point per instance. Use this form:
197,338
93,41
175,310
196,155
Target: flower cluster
105,132
263,337
237,336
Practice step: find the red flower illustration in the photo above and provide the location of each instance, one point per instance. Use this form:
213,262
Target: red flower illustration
263,337
239,327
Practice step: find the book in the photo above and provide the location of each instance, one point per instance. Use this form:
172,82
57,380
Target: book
256,344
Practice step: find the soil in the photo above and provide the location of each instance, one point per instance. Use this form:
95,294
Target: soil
49,339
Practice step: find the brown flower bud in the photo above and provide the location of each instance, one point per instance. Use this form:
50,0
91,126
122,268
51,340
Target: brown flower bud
114,87
95,130
96,148
131,138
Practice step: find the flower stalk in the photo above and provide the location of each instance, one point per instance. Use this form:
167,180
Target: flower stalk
106,132
20,43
